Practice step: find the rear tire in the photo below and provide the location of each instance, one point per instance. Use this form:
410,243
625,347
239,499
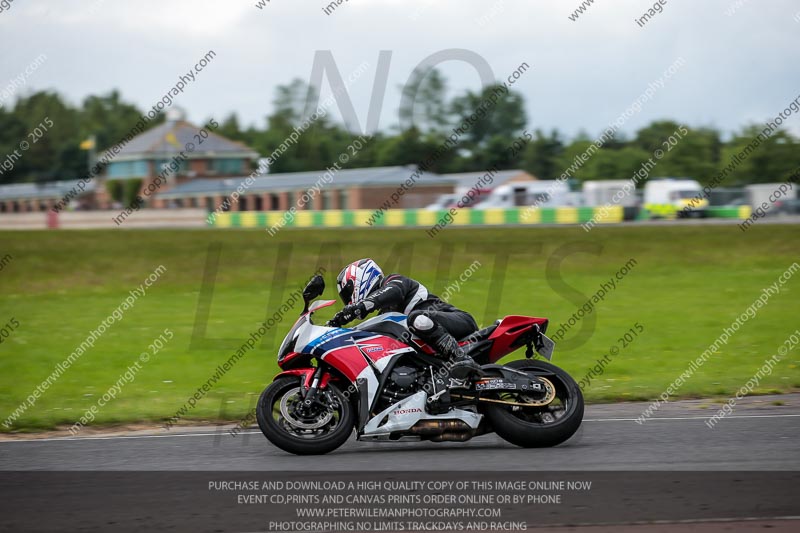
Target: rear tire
515,427
289,437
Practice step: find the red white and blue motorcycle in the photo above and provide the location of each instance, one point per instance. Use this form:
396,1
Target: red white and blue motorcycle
387,384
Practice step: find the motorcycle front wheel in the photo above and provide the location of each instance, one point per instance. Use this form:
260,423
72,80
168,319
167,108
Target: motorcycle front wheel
523,421
301,430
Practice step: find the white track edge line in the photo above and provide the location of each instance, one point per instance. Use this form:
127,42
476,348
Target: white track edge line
222,432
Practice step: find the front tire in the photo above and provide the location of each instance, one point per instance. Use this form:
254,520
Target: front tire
539,427
316,433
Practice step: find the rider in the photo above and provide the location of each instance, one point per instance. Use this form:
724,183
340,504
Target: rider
364,289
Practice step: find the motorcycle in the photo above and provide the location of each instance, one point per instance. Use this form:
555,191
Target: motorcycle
387,384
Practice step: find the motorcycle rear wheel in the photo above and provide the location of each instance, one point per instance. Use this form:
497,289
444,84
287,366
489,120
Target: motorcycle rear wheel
316,434
539,427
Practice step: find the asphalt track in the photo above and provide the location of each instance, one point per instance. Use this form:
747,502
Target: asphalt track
670,473
758,436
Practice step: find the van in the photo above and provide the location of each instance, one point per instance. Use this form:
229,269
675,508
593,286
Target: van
671,198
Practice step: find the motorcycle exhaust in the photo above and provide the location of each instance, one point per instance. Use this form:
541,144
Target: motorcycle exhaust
443,430
435,427
451,436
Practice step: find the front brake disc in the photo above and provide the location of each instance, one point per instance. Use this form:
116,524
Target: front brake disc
296,422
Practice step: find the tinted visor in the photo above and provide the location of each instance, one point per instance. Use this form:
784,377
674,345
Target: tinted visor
346,292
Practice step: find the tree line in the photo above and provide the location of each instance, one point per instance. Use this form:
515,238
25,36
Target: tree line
429,119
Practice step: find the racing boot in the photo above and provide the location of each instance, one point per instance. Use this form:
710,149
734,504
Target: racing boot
456,373
461,365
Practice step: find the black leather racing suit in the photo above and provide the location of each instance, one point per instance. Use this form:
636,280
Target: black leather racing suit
431,318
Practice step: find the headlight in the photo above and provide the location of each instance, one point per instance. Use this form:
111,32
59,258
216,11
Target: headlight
290,340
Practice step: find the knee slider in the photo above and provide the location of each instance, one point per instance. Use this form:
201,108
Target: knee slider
419,321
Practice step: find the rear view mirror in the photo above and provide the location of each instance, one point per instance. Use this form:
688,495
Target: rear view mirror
314,288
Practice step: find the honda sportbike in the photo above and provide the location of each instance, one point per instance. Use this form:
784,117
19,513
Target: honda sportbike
380,380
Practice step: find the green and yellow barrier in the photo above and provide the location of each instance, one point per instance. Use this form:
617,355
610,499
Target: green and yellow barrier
671,212
429,219
416,217
741,212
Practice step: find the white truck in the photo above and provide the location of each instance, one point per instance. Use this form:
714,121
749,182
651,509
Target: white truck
772,198
671,198
546,193
609,192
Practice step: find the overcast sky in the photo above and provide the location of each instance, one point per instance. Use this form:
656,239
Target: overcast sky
739,68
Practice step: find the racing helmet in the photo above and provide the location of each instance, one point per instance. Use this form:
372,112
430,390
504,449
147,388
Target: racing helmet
357,280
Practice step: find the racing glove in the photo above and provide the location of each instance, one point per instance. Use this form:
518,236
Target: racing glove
348,314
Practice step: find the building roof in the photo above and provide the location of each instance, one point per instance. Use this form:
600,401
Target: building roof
40,191
168,139
469,179
294,181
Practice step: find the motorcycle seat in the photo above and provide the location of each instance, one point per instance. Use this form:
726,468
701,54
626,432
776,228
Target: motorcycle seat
480,335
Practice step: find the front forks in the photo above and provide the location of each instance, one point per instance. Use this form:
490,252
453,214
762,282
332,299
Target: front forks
312,391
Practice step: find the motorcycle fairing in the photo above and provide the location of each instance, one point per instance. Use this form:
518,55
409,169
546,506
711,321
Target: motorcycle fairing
357,354
406,413
513,332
